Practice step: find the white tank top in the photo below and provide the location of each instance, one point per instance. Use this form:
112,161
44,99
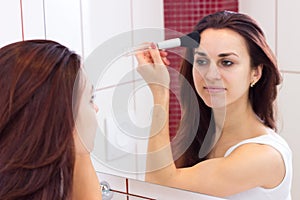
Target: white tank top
282,191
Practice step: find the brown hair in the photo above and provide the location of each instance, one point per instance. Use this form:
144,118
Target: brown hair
36,120
261,96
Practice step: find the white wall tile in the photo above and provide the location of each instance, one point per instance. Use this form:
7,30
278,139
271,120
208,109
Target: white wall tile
103,20
63,23
289,115
115,146
118,196
106,35
147,14
118,71
264,12
33,19
115,182
10,22
288,34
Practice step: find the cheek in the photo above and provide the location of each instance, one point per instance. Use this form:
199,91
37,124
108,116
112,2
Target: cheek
237,86
87,126
198,80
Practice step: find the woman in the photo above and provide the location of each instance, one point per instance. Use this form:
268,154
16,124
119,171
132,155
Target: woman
232,149
41,153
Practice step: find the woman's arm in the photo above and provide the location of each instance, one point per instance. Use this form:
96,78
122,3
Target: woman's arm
248,166
151,65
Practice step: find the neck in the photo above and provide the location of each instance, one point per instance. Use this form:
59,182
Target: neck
237,120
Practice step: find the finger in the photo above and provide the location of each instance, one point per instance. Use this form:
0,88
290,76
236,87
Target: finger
143,57
166,61
155,54
164,58
163,53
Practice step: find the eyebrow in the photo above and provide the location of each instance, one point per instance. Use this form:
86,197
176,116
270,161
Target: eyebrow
220,55
92,89
228,54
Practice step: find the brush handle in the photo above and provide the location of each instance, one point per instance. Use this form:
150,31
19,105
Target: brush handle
190,40
167,44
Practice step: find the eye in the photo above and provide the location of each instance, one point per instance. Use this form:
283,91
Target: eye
226,63
202,62
92,98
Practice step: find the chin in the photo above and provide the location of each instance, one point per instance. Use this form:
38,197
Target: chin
215,103
214,107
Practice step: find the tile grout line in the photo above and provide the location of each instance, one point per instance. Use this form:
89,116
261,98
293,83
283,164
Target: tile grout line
290,71
44,16
22,20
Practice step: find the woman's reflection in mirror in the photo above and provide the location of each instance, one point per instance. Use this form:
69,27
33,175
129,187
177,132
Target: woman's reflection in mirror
233,149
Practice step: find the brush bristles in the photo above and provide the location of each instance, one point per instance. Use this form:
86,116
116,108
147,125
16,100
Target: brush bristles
191,40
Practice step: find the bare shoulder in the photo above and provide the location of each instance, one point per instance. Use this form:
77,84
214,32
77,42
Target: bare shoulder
260,150
265,163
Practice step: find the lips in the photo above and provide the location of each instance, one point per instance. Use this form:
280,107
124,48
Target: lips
214,89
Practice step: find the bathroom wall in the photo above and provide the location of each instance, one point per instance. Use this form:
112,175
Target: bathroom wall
279,20
85,25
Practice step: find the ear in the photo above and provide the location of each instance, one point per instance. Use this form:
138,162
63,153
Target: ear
256,74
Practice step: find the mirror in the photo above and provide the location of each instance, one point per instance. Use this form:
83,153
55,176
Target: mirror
124,100
123,154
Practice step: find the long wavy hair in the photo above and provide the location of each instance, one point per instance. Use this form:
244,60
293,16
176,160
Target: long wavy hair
262,96
36,120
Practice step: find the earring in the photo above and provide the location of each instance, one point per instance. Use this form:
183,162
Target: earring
252,84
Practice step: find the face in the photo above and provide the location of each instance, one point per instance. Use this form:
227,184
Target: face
86,121
221,69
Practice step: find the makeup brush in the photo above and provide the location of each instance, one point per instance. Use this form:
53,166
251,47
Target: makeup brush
191,40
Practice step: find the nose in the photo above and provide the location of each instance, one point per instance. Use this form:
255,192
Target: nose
96,108
212,73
